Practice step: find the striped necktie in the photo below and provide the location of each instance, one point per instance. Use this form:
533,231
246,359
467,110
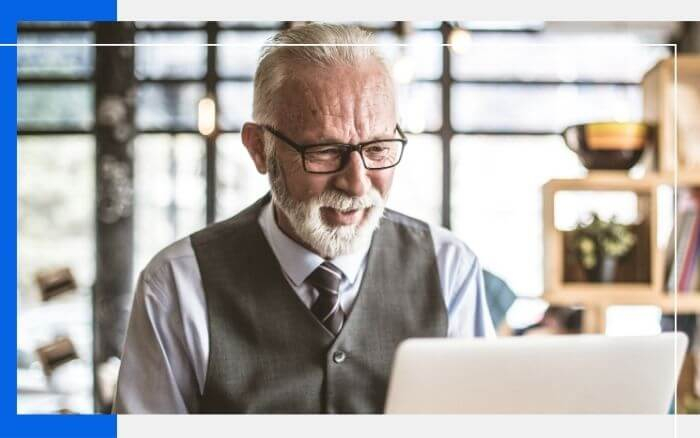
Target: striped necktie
326,280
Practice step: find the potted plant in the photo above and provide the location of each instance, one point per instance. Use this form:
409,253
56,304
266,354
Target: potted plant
600,244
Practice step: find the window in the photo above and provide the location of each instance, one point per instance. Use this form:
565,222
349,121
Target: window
169,191
239,183
417,186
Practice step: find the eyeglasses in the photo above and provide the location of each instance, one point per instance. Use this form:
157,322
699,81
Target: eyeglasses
333,157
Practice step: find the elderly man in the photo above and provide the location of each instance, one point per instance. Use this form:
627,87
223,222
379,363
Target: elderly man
297,303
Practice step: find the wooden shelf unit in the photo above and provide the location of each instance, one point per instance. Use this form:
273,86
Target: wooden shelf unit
594,298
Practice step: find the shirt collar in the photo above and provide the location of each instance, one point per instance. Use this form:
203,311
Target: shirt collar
298,262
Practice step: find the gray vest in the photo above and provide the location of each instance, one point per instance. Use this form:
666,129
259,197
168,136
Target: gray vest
267,351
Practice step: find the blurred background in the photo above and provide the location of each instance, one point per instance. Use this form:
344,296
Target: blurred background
122,150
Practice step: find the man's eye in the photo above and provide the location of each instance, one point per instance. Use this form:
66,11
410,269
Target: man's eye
320,153
328,151
376,149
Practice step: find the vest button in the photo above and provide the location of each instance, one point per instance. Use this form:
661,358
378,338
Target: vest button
339,356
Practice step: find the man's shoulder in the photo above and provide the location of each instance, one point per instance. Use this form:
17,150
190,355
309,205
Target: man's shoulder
447,244
239,223
395,217
178,255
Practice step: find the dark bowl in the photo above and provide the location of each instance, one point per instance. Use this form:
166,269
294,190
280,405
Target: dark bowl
609,145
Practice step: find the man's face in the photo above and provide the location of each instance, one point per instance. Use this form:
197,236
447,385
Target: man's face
340,104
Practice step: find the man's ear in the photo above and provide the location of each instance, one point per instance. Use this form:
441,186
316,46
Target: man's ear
252,137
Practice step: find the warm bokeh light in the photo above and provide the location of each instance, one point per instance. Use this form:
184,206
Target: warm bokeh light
459,40
206,120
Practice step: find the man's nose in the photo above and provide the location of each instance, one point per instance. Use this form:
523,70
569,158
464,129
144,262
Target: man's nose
353,179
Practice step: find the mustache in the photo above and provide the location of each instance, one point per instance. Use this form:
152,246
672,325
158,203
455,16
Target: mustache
340,201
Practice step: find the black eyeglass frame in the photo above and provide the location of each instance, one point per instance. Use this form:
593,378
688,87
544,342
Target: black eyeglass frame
348,148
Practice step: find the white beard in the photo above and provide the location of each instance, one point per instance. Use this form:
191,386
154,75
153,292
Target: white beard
308,224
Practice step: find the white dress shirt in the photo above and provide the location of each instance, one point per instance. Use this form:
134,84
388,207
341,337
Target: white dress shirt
166,352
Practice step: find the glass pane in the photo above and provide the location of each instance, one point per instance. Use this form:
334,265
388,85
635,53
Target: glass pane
239,53
548,108
556,56
420,197
425,54
169,191
56,192
420,107
55,106
238,182
168,106
497,204
235,103
52,60
632,321
185,61
55,228
422,59
389,50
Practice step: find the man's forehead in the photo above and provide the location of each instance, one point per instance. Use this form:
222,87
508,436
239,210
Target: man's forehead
336,96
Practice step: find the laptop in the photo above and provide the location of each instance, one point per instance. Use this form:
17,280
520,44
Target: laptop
568,374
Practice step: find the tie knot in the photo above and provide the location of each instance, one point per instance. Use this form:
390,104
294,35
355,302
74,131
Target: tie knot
326,278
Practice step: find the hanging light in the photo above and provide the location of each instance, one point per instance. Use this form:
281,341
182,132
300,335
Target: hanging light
206,122
459,40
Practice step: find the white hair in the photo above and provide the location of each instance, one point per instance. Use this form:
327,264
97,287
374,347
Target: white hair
333,45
